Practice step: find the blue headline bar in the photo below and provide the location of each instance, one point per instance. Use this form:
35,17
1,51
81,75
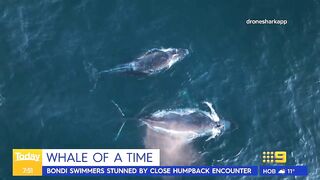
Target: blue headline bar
150,171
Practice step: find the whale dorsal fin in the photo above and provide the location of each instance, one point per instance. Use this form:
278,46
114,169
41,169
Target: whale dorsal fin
213,115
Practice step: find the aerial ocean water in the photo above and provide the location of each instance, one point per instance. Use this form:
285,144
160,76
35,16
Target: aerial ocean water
264,79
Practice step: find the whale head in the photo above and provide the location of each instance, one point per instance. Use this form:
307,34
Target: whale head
176,54
217,128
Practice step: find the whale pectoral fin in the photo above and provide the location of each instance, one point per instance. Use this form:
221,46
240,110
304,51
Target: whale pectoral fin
213,115
209,106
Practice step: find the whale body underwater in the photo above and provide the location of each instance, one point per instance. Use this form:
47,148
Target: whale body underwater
187,123
152,62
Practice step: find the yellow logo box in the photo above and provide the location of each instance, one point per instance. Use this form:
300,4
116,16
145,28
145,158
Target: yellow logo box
26,162
274,157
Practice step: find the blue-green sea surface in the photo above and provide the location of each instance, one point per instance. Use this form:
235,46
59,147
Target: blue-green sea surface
264,79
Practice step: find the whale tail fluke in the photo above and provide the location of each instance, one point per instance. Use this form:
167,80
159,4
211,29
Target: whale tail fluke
124,120
119,69
120,130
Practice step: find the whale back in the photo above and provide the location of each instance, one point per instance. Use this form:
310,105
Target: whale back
195,121
152,61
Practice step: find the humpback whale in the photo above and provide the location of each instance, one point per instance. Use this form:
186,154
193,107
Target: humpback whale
152,62
187,123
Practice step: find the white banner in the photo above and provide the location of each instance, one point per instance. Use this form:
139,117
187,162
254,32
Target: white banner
100,157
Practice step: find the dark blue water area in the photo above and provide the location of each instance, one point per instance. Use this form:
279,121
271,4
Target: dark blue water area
264,79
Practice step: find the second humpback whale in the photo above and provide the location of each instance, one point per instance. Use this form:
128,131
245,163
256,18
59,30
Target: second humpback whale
187,123
151,62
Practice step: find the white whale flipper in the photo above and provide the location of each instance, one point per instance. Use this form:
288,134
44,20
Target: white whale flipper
213,115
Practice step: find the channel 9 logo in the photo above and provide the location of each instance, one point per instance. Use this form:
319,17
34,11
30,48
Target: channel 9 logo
274,157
